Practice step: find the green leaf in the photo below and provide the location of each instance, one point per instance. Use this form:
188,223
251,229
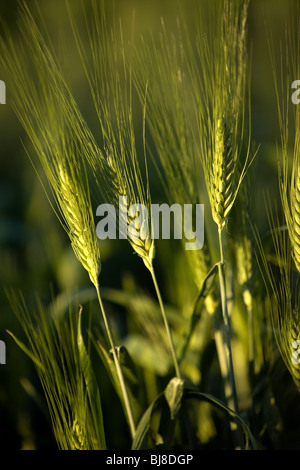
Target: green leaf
145,353
173,394
219,404
130,376
110,367
132,379
27,352
142,430
204,291
91,385
127,364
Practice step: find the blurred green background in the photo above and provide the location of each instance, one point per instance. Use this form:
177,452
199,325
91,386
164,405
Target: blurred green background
34,250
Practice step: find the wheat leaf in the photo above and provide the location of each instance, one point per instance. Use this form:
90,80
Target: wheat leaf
219,404
91,385
204,291
27,351
141,434
173,395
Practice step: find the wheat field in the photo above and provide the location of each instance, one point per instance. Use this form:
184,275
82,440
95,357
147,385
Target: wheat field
129,341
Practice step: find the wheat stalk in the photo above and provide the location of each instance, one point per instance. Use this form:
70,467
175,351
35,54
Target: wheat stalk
110,80
221,90
289,174
222,107
110,84
53,347
294,219
292,345
59,136
286,323
289,183
159,63
285,299
290,194
63,144
138,231
283,292
244,269
217,137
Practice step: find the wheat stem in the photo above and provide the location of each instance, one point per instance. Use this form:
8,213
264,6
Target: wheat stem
226,323
169,334
229,385
118,367
251,345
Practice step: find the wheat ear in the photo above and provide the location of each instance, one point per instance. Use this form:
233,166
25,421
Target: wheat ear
63,144
220,91
138,231
221,190
222,195
142,243
294,334
290,196
286,326
79,221
111,88
289,177
295,214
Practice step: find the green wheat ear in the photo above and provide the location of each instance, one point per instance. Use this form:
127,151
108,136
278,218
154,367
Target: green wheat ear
138,231
283,293
287,333
109,78
287,246
289,173
290,187
290,194
222,95
63,144
221,190
56,347
295,212
58,133
79,222
296,216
